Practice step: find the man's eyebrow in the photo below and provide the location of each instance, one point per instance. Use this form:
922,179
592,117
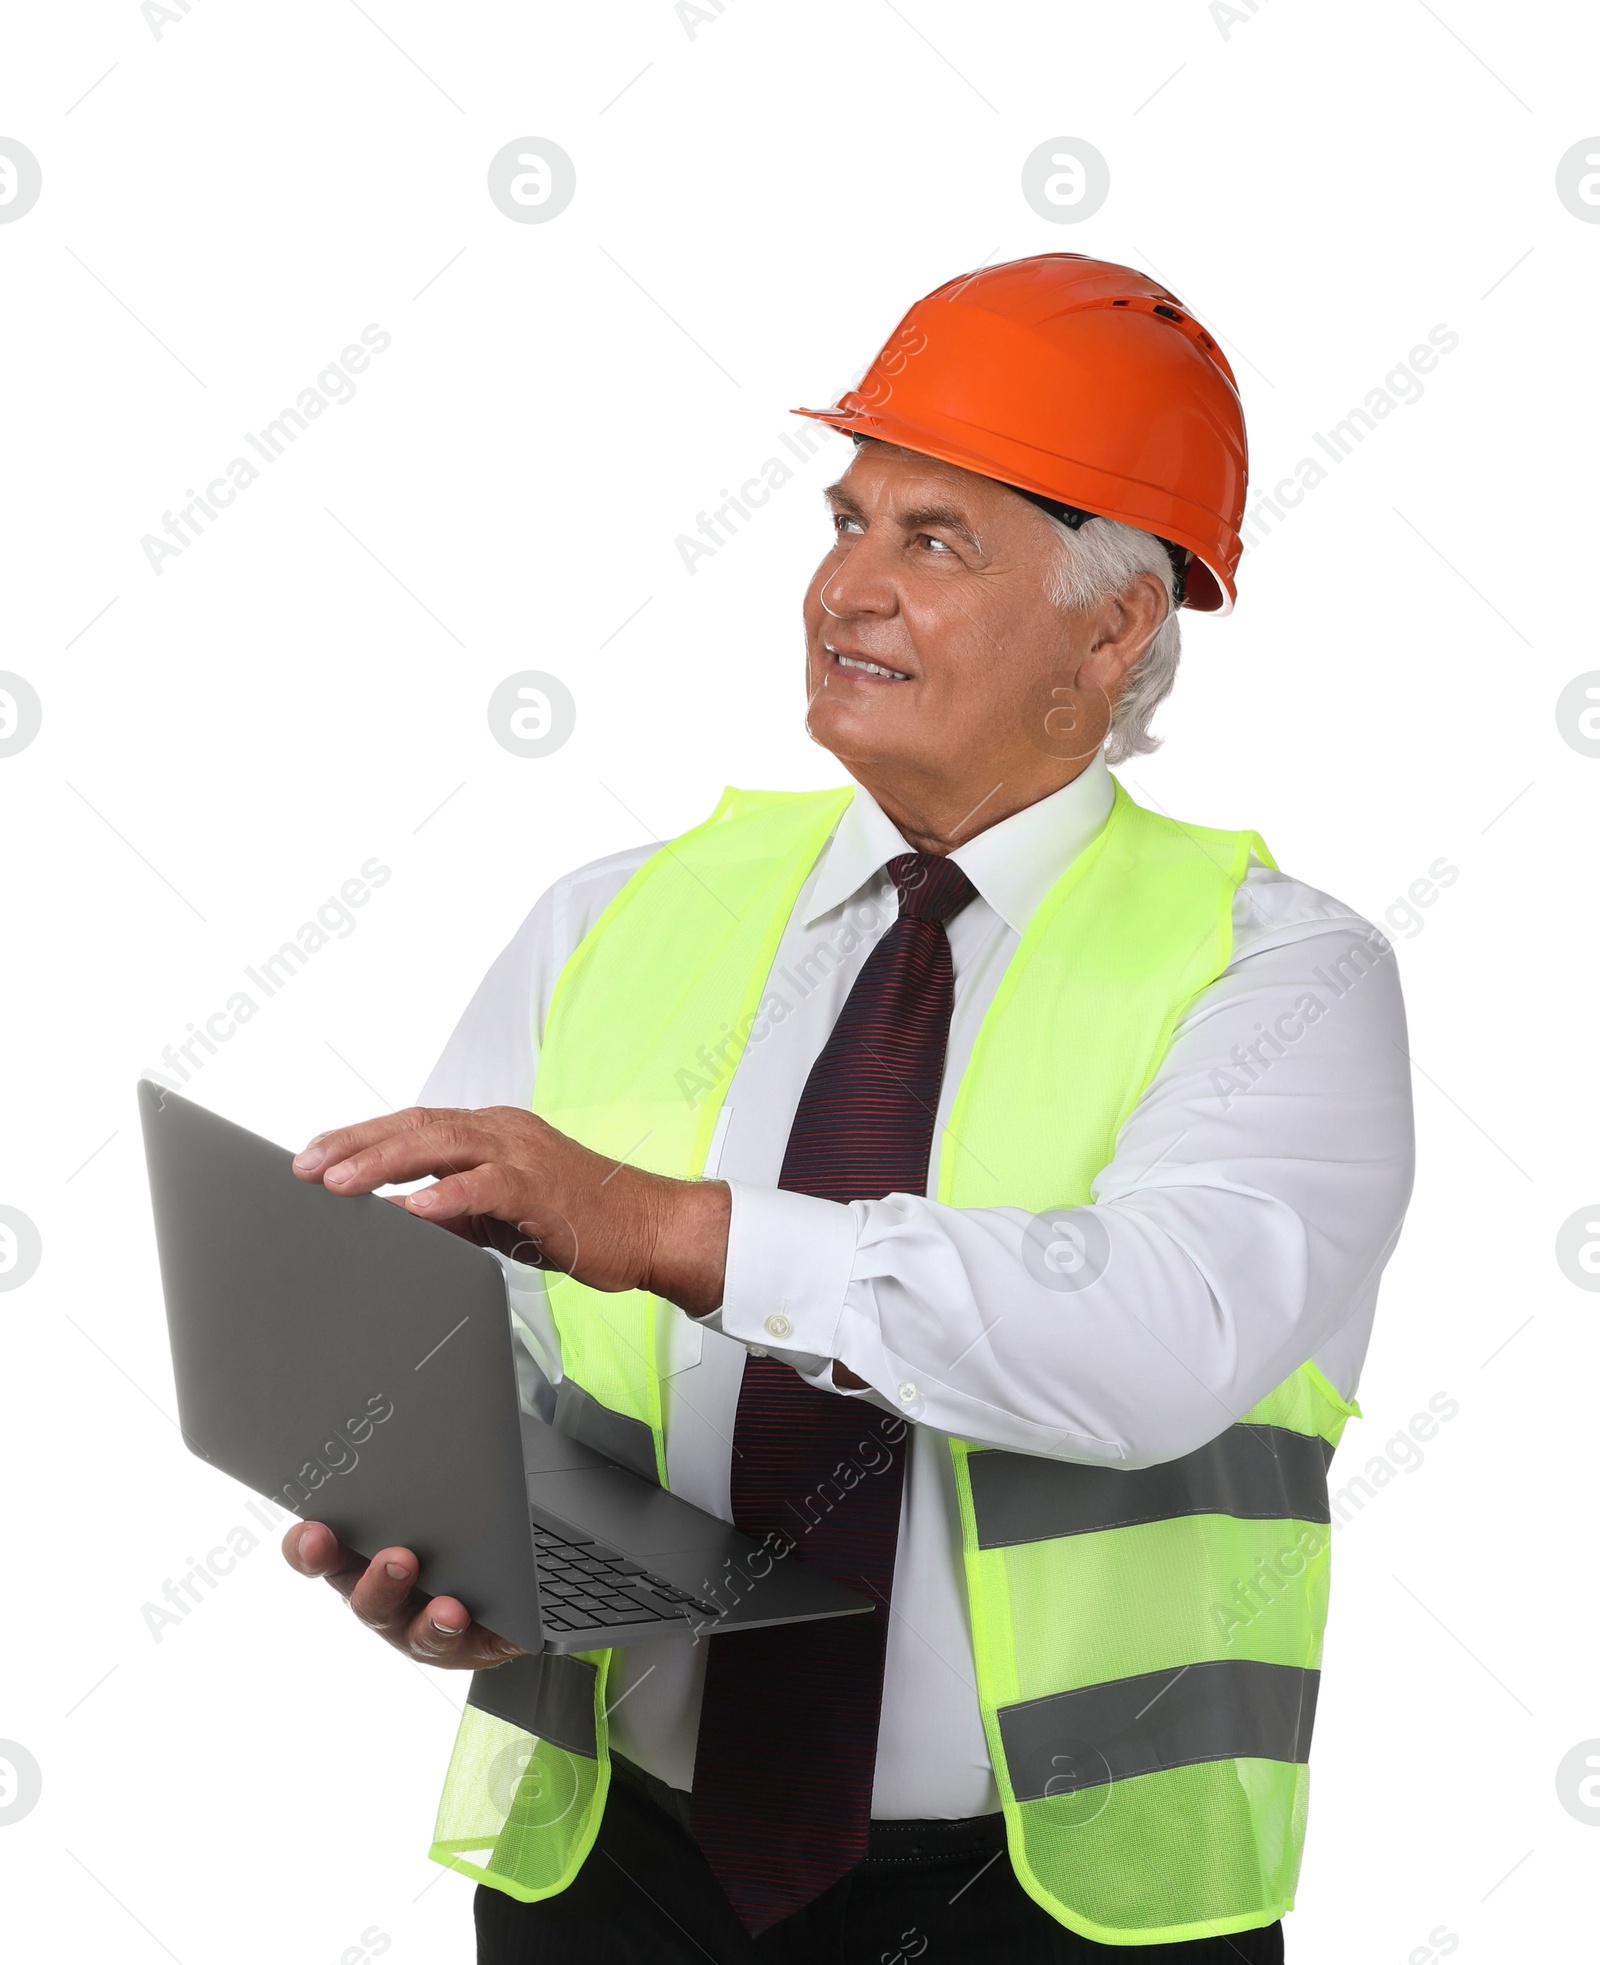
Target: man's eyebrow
950,517
918,518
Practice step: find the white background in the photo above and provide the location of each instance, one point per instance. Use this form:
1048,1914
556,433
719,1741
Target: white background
305,687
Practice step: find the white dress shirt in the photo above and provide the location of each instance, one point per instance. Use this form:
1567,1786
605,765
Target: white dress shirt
1251,1202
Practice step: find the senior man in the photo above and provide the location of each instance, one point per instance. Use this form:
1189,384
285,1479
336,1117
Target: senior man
973,1183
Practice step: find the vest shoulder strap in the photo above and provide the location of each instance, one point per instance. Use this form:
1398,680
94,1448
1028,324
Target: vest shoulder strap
623,1043
1134,929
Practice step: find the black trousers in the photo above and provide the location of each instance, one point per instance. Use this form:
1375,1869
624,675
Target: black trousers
943,1891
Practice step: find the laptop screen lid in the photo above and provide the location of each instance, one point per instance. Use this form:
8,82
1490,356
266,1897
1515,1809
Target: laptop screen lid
349,1361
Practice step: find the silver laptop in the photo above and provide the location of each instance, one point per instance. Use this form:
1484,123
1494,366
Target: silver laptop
354,1364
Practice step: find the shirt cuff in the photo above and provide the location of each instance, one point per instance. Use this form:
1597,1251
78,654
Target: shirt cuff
790,1259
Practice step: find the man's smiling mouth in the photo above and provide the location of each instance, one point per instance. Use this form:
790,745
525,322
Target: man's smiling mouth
864,667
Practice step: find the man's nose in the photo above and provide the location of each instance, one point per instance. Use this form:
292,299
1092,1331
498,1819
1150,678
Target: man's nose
860,584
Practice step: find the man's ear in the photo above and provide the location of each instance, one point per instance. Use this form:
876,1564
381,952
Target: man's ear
1132,620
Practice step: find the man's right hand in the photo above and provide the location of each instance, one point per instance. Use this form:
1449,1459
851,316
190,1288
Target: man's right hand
383,1594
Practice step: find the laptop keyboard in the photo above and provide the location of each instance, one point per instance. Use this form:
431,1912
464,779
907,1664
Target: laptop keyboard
584,1584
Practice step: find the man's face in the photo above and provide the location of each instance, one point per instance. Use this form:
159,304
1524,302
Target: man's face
939,575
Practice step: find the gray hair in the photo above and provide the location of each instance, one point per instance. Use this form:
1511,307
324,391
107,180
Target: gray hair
1093,564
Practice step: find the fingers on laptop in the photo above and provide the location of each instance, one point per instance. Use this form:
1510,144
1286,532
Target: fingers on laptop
326,1148
443,1633
382,1596
439,1631
314,1550
439,1150
394,1137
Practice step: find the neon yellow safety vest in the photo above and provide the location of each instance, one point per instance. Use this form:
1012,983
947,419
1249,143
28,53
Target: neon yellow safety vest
1147,1642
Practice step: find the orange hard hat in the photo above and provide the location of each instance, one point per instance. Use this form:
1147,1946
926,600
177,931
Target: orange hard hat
1082,384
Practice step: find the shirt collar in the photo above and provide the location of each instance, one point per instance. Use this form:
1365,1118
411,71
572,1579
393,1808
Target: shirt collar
1013,864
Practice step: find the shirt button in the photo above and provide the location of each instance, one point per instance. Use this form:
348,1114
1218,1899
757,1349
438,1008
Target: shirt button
755,1350
778,1326
907,1392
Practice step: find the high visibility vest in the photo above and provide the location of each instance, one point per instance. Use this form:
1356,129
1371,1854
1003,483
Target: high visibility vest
1147,1642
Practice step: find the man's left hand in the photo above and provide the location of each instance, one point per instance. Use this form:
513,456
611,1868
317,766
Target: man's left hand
601,1221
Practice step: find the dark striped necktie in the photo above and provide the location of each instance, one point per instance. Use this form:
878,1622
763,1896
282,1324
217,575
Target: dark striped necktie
789,1723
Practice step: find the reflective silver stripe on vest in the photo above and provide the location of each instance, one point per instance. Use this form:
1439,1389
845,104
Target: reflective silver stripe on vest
549,1696
1231,1709
627,1441
1258,1473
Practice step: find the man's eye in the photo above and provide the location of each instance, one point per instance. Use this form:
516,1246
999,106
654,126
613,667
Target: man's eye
933,545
